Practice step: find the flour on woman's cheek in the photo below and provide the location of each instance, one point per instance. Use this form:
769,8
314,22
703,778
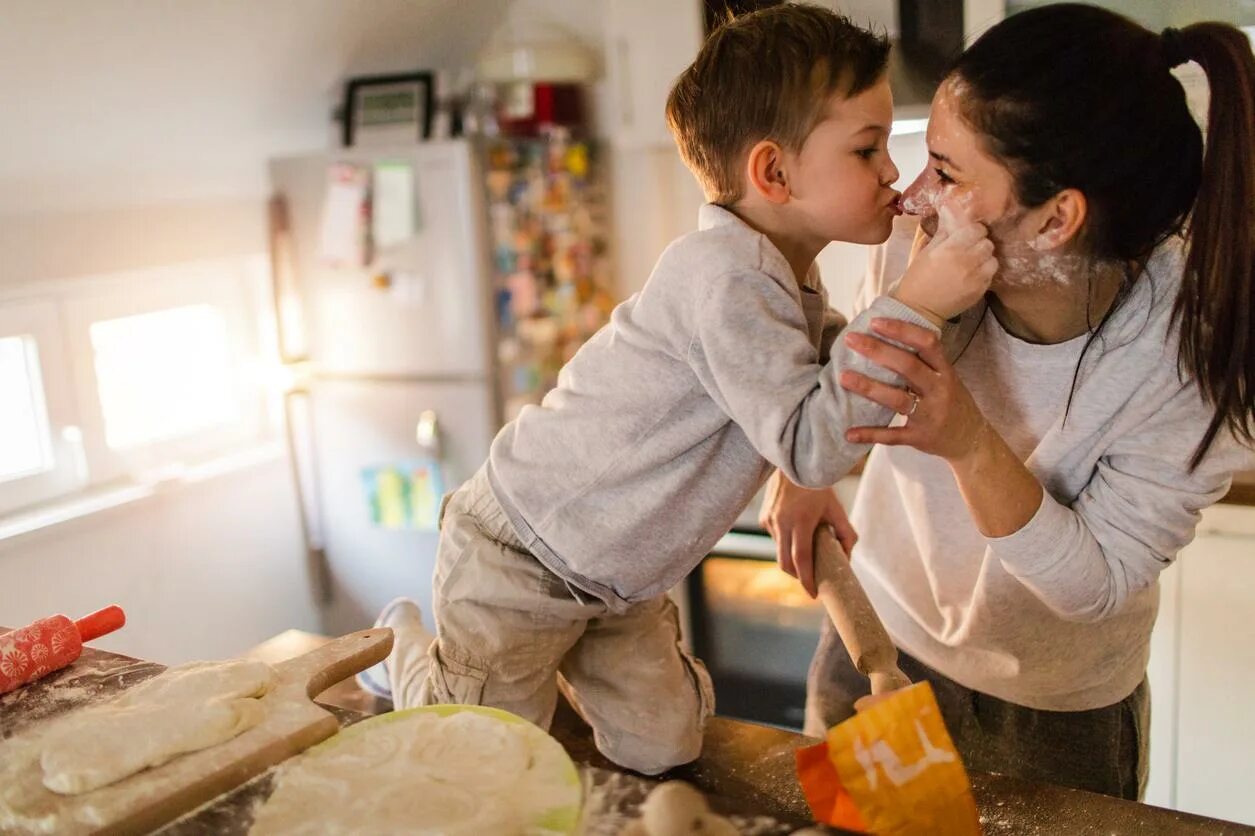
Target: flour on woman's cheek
1021,264
1026,260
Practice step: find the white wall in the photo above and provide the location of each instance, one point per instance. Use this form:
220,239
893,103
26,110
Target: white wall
130,103
203,570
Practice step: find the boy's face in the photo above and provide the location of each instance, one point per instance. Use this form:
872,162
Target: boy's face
840,182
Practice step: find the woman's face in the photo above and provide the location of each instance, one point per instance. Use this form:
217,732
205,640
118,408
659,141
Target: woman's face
960,175
964,178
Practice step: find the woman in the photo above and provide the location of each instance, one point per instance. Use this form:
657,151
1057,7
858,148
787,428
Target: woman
1063,436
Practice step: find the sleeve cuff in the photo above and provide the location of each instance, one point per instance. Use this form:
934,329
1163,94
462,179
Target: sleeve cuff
888,307
1040,542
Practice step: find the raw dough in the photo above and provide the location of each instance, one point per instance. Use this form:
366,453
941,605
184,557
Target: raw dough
184,709
677,809
673,809
459,773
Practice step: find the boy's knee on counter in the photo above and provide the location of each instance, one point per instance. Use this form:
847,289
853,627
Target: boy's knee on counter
657,752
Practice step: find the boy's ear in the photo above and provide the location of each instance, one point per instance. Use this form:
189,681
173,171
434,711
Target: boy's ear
765,169
1063,219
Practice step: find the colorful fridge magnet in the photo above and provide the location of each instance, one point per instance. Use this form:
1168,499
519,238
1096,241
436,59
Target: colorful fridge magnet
405,495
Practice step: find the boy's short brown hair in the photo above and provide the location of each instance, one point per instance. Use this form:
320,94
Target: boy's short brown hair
766,75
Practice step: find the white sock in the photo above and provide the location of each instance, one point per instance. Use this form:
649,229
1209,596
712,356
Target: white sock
408,662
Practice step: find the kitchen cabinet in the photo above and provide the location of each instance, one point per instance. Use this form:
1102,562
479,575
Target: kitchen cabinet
1215,665
1161,674
648,44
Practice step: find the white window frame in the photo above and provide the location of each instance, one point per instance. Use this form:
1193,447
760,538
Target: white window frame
224,285
40,319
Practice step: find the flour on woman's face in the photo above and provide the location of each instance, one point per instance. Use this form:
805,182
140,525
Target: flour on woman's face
971,183
1024,264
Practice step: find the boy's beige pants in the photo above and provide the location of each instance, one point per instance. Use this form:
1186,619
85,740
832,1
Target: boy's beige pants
509,631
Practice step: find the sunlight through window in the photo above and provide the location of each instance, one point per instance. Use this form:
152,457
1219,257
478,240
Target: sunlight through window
163,375
24,444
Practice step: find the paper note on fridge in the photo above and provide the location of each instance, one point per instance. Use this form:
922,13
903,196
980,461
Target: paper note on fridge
393,219
345,239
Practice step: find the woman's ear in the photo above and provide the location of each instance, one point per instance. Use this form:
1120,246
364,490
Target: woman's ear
1060,219
764,167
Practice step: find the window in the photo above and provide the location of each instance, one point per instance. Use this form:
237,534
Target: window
127,378
39,455
25,447
167,366
163,375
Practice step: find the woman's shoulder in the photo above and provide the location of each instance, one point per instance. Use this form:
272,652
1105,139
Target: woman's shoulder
1145,314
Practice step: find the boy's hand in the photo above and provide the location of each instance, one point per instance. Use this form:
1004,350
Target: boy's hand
952,271
792,514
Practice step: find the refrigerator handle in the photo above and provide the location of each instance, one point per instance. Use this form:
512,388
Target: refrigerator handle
298,415
427,433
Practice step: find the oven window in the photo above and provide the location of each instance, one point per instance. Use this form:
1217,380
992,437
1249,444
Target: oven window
756,629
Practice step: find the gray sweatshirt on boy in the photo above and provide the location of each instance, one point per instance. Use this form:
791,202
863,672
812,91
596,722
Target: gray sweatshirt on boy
667,422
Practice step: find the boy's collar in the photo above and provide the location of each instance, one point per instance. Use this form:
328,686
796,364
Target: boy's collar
713,215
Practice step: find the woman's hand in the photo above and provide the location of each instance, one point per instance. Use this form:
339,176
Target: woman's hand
942,418
792,515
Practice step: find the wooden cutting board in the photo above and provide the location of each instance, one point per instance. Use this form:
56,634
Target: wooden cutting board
155,797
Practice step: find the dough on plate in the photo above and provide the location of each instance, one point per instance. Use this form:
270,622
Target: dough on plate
454,773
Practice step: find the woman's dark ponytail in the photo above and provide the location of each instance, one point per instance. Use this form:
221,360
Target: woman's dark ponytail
1216,307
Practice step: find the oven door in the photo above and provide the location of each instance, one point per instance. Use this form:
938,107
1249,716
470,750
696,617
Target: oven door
755,628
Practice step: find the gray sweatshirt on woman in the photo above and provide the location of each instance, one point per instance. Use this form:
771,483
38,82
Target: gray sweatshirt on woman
1058,615
667,422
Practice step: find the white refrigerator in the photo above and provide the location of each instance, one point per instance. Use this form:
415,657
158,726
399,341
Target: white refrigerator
390,363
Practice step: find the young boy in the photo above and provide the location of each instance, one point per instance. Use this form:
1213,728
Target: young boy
555,558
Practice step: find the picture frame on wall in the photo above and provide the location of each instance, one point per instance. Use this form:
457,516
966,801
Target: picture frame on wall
393,109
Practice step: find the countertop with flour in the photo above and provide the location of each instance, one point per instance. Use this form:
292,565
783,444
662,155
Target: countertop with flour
746,770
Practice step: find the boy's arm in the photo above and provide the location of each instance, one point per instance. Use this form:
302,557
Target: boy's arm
834,324
750,350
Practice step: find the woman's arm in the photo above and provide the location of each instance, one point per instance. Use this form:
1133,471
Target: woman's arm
1083,560
1000,491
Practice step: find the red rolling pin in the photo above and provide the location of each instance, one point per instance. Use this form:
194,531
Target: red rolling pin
50,644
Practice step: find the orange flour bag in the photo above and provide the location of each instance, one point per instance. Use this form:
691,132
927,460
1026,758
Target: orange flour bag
891,769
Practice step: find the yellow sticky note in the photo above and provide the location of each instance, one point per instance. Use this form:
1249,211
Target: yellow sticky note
391,492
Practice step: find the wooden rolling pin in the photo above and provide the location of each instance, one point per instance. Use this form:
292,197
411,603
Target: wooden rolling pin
860,629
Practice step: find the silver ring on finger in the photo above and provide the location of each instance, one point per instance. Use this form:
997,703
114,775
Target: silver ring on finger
915,399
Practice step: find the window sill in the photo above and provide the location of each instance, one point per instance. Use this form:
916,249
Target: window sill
100,500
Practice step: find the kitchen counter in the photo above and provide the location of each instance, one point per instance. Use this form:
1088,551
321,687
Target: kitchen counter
1243,490
747,770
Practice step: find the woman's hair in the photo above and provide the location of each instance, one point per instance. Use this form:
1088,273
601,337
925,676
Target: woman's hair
1074,96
